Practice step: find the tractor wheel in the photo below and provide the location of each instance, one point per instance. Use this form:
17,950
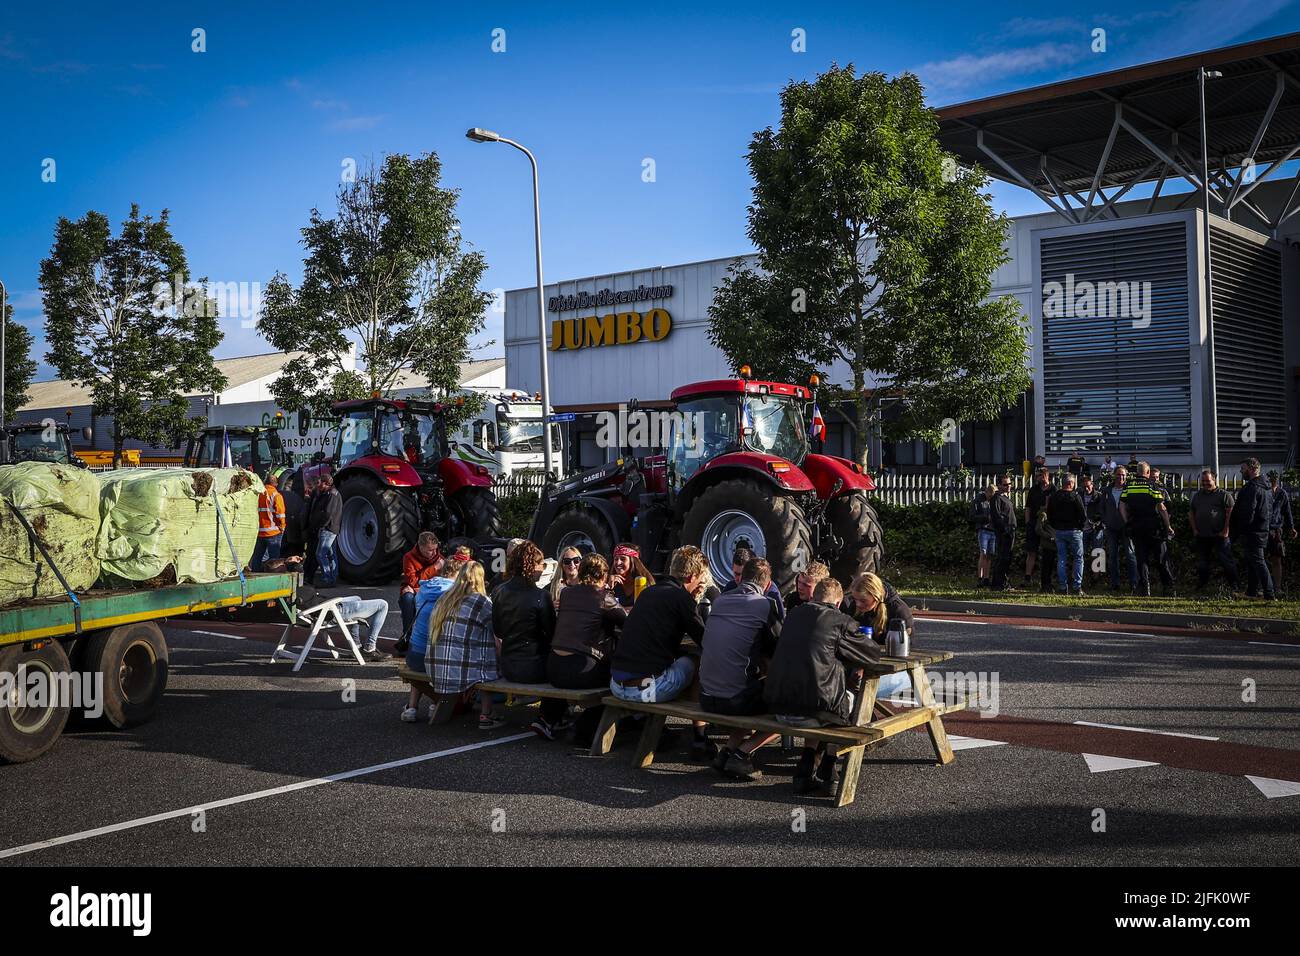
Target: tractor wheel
738,512
855,522
133,660
578,527
474,513
28,725
380,524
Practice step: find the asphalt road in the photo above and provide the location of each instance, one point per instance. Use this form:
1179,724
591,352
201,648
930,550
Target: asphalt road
237,767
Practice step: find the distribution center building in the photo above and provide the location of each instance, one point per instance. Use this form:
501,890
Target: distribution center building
1124,354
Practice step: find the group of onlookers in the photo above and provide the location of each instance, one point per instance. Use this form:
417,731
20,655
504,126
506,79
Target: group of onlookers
609,623
1130,517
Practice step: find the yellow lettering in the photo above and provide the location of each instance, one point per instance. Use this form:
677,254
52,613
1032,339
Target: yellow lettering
656,324
629,327
598,330
557,332
572,334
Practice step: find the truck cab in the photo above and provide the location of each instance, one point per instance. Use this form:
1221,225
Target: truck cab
47,441
507,437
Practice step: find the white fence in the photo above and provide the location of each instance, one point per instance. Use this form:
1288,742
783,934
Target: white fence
896,489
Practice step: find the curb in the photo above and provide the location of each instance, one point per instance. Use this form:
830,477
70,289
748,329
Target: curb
1108,615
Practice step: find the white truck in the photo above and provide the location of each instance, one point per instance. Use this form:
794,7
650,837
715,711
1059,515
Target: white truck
506,437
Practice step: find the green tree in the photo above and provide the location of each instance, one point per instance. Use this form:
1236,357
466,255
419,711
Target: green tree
877,250
389,274
20,367
125,320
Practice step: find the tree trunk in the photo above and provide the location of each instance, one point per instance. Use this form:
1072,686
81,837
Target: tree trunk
117,444
861,443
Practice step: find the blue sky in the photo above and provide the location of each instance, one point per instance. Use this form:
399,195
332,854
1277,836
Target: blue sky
242,140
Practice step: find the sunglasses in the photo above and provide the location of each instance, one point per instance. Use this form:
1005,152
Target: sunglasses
572,561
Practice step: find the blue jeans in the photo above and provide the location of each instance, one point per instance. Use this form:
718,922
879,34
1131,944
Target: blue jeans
987,541
891,684
407,604
1069,546
1120,545
327,559
373,612
660,688
266,549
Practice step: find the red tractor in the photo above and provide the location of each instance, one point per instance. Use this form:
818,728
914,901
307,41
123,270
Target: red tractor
737,471
393,466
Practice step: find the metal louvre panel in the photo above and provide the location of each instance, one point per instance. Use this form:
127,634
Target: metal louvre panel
1118,379
1249,367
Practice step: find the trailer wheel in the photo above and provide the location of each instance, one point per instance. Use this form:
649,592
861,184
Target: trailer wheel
578,527
28,731
133,660
855,523
738,512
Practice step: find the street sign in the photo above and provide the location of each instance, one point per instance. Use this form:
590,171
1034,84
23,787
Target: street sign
562,417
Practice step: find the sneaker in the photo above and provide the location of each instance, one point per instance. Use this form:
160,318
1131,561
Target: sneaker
490,721
703,750
721,759
827,781
741,766
375,655
410,715
542,729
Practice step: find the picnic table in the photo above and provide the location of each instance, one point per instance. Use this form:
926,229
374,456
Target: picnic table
873,721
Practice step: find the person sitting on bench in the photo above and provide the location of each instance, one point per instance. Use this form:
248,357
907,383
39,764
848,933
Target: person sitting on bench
587,626
804,583
742,630
462,649
807,685
524,620
429,590
420,563
875,603
739,558
624,568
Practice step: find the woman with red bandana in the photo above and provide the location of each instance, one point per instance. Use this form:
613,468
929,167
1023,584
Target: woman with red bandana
625,568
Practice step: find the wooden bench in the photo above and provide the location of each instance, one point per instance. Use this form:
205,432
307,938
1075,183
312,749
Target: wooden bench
444,705
850,741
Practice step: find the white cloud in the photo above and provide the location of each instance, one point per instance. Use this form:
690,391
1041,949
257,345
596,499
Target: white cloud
348,123
962,71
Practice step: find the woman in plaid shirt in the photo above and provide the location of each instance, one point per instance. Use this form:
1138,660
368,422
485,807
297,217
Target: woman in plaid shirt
462,647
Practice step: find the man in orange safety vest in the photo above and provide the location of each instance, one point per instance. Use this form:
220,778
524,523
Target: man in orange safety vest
270,524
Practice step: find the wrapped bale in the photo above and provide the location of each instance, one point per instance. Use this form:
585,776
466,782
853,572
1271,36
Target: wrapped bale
161,526
61,503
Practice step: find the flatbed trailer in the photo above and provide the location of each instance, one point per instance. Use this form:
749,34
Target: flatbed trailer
102,649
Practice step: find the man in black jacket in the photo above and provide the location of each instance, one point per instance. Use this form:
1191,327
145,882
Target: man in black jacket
1280,526
324,524
1067,515
1002,521
648,664
1248,527
807,682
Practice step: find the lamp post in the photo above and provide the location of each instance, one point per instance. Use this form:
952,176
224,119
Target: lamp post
1201,76
488,136
4,325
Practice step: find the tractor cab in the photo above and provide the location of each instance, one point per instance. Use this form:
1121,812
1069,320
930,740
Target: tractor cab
255,447
411,431
735,416
46,441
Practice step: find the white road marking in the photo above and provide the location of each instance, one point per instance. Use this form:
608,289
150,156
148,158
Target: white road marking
257,795
233,637
1272,788
1271,644
1143,730
1100,763
971,743
1039,627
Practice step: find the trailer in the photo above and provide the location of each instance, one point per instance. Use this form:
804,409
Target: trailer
105,649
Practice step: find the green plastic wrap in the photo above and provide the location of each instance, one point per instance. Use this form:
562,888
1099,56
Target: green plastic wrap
160,526
61,503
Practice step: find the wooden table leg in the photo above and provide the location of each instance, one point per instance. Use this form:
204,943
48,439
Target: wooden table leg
650,734
938,736
849,777
603,742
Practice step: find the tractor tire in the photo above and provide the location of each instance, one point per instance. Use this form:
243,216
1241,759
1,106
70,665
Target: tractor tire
856,523
133,660
380,524
475,511
27,732
738,511
580,527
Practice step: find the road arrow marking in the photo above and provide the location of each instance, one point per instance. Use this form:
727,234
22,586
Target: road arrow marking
1100,763
1275,788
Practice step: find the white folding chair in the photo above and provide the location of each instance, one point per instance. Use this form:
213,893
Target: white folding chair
323,618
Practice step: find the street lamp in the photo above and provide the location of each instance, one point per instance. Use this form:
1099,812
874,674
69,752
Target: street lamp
489,136
1202,75
4,324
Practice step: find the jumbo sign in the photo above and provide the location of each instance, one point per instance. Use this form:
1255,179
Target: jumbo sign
616,328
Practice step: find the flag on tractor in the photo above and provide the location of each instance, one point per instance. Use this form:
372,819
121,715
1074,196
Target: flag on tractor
817,427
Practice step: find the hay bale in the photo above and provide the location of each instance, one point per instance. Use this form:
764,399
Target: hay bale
161,525
61,503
